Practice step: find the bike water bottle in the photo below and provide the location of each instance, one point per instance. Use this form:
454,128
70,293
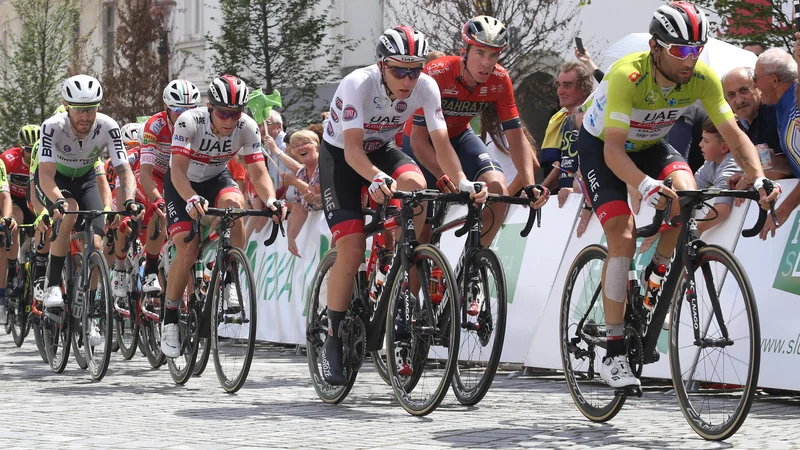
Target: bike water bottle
380,279
198,270
436,286
653,285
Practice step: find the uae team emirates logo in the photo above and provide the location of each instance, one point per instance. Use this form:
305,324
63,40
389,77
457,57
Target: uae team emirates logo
349,113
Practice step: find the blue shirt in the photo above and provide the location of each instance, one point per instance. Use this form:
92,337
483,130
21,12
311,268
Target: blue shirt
764,129
789,132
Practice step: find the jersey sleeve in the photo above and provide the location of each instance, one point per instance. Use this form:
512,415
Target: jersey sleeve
34,160
618,107
432,108
184,131
713,99
507,107
47,138
11,160
352,95
251,143
114,145
3,178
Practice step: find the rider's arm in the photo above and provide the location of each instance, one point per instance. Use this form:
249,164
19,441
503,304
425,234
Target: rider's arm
47,174
5,192
102,183
742,148
148,160
185,129
522,153
178,167
119,160
355,156
422,147
148,185
437,128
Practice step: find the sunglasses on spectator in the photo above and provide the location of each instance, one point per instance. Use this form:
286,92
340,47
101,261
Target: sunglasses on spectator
402,72
682,51
225,115
180,109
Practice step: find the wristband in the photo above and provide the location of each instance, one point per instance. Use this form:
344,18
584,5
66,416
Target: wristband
106,208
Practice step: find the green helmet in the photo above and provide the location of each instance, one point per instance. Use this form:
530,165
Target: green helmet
28,135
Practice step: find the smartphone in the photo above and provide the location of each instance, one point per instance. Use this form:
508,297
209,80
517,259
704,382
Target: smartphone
797,15
579,43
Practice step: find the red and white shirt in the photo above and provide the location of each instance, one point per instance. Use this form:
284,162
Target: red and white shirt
157,143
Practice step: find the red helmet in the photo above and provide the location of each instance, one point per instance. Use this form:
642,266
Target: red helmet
228,91
680,23
402,44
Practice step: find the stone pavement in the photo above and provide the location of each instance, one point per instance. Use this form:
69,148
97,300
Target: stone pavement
137,407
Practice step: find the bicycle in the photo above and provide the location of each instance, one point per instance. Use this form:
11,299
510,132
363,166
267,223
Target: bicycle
87,303
697,343
232,330
126,317
483,333
20,299
432,340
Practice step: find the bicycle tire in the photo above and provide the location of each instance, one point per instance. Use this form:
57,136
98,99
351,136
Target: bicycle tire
151,331
38,339
233,380
468,392
127,328
72,266
98,312
188,326
427,334
18,319
601,404
57,342
693,388
316,328
203,355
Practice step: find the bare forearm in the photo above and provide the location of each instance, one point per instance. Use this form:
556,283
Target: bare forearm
127,187
289,162
358,160
148,184
262,182
747,159
552,178
296,221
105,190
425,154
5,198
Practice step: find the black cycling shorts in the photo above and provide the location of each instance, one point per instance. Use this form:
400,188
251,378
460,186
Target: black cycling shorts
22,203
82,189
609,194
341,185
472,153
178,220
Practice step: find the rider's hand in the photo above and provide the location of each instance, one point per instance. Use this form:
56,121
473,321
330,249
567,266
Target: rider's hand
477,190
538,194
445,185
159,207
654,192
761,185
196,206
382,185
563,194
12,224
647,243
274,204
42,222
58,208
134,208
125,225
769,225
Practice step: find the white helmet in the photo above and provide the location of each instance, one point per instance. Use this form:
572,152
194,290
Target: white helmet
131,133
181,93
82,90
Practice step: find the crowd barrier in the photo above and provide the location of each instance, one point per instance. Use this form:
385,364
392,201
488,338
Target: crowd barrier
535,270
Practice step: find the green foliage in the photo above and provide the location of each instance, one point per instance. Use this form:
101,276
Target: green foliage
36,62
745,21
273,44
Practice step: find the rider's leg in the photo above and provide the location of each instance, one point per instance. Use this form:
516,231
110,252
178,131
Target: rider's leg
681,180
19,217
60,247
234,199
495,214
410,180
619,231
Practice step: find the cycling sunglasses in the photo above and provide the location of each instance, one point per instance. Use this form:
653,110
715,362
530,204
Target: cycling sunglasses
225,115
682,51
181,109
402,72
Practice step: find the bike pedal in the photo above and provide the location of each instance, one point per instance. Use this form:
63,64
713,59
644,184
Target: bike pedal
629,391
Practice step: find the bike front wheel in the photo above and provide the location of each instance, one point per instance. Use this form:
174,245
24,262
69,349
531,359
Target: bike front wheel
233,328
126,322
98,317
715,378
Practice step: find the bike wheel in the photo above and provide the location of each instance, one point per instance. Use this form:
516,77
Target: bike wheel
581,352
151,327
98,317
38,338
233,330
203,355
482,336
715,381
127,327
181,368
69,281
18,318
57,340
317,331
422,333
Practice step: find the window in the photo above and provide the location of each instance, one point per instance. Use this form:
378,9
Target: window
109,27
193,19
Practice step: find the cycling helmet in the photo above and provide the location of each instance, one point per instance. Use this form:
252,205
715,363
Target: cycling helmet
131,133
485,31
680,23
228,91
28,135
82,90
181,94
402,44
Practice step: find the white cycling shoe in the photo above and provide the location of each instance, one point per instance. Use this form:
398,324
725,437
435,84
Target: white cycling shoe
617,372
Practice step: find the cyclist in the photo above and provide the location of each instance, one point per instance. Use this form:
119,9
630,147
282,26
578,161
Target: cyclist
5,208
69,147
369,108
178,96
17,161
621,141
203,142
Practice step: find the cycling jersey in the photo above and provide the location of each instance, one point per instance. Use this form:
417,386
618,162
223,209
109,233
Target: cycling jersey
18,172
157,143
361,102
73,157
209,154
629,98
460,105
3,177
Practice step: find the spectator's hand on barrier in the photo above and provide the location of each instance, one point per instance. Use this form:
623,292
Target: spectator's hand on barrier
292,245
563,194
311,197
583,222
647,243
636,199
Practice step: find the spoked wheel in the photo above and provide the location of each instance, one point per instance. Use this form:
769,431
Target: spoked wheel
18,319
35,322
715,382
180,368
379,356
482,335
582,332
151,328
233,329
98,319
317,332
57,339
422,337
203,354
127,325
68,281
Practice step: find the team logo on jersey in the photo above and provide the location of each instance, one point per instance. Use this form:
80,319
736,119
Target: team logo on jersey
96,131
330,129
401,107
157,126
450,91
651,97
67,148
671,102
380,102
439,113
334,116
338,103
483,91
634,76
372,145
349,113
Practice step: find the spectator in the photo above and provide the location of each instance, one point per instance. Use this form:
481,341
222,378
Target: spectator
318,128
586,59
776,76
755,47
306,183
434,54
714,173
496,144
